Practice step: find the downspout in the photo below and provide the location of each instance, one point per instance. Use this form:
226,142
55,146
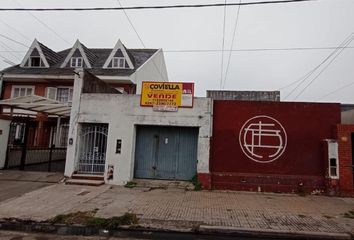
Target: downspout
1,85
1,89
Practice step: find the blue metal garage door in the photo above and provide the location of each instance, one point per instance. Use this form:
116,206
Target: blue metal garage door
166,152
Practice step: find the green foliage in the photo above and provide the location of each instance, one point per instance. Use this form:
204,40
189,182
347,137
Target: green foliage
88,219
349,214
196,183
130,184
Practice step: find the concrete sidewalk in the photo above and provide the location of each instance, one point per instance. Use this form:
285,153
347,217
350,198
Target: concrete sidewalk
177,209
16,183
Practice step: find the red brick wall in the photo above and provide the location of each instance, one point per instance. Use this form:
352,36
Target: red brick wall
346,184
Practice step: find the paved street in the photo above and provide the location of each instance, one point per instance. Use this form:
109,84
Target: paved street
177,209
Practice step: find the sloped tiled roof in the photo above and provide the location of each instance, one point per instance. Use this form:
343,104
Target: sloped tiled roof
51,56
90,55
96,56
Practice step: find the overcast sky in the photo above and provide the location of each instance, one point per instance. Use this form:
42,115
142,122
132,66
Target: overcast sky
323,23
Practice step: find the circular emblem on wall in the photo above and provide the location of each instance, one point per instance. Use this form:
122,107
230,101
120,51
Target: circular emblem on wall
262,139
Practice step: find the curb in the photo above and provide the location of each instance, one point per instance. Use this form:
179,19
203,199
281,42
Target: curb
271,233
137,230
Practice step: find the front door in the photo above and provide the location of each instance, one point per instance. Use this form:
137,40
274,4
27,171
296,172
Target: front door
92,150
166,152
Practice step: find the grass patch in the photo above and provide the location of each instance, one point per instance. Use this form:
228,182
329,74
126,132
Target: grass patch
88,218
196,183
349,214
130,184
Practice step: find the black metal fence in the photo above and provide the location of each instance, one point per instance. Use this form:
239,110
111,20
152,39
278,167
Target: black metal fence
36,159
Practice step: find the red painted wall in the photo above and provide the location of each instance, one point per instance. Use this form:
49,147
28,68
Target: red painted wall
346,171
301,166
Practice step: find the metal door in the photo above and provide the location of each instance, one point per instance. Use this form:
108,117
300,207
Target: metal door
166,152
92,148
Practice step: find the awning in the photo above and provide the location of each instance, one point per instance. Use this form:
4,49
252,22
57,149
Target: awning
39,104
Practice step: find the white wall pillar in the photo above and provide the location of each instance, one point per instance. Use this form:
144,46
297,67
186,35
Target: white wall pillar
72,151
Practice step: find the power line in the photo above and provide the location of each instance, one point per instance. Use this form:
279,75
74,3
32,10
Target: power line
223,45
8,38
6,60
252,49
337,90
243,50
232,44
140,39
14,29
44,24
4,45
156,7
131,24
307,75
333,59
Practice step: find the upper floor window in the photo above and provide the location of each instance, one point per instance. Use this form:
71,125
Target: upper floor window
76,62
20,91
35,61
61,94
64,94
118,62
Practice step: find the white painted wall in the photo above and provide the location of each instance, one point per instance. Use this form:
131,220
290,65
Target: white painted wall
71,150
152,70
123,113
4,137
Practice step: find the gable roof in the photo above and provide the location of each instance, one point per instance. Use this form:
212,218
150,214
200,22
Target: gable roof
46,54
88,57
121,47
137,56
51,56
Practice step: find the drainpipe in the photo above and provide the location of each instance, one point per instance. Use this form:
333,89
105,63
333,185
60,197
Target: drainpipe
1,89
1,84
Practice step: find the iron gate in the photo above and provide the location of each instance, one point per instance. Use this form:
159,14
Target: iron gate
23,152
93,145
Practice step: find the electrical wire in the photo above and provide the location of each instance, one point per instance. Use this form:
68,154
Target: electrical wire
4,45
252,49
319,74
336,90
12,40
232,44
44,24
243,50
156,7
140,39
6,60
14,29
131,24
307,75
223,46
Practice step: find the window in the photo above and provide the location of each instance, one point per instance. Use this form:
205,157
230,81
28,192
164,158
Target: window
76,62
20,91
64,94
333,168
35,61
61,94
118,62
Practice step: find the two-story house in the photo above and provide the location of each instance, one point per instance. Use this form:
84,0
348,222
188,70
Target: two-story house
47,73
